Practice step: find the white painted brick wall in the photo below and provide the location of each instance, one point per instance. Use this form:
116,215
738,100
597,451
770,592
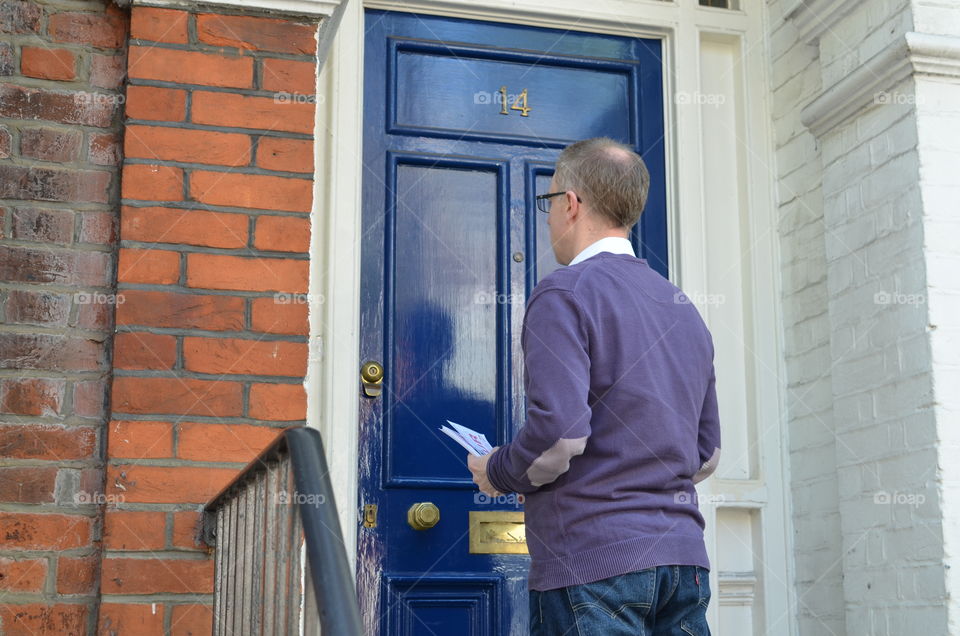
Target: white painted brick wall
861,34
874,245
873,380
795,78
936,16
938,105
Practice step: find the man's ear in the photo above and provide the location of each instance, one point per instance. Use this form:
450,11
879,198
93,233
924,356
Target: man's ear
573,206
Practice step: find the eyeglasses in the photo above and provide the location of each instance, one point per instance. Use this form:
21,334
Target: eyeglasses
543,200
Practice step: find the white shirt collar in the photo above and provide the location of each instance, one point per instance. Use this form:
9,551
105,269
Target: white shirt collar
614,244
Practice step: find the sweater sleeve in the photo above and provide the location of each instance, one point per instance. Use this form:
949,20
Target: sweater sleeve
557,382
708,439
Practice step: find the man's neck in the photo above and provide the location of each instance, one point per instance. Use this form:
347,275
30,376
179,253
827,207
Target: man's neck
616,243
593,237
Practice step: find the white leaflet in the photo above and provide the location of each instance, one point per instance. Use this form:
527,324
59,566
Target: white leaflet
475,443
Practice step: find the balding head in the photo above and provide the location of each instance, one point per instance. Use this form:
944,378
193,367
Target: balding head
610,177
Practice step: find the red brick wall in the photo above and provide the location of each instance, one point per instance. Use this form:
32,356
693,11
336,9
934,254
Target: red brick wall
61,73
211,336
208,360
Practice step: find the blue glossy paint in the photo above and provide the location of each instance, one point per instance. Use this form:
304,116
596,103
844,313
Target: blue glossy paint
448,202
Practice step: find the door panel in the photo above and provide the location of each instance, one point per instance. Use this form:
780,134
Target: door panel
452,247
444,220
538,176
430,100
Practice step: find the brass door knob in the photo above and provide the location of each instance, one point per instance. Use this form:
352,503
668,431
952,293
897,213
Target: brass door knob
423,516
371,376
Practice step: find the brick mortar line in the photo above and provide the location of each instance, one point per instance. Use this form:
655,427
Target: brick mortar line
155,507
182,203
182,374
41,553
248,304
257,79
201,291
186,248
173,462
241,252
212,167
207,88
179,360
19,161
54,288
189,125
173,419
205,207
227,52
167,598
26,329
73,165
255,152
171,554
245,401
101,248
52,374
77,207
68,424
259,336
13,462
238,420
90,512
48,598
196,45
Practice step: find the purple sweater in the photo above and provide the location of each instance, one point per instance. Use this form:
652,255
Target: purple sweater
621,423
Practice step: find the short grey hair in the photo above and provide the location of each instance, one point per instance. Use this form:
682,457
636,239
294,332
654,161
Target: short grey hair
608,175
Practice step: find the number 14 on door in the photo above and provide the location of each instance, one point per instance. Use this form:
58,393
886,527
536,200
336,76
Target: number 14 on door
519,103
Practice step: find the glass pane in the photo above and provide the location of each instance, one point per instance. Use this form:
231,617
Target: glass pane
445,338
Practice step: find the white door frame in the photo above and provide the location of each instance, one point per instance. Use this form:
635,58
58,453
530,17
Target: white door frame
333,371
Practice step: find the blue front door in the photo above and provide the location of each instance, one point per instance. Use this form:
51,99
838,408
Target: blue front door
463,121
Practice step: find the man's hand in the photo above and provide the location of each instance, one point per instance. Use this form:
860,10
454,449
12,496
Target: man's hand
478,466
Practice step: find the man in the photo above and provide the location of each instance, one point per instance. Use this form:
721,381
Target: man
621,419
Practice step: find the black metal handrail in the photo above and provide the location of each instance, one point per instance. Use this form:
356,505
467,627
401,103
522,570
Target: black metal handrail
257,543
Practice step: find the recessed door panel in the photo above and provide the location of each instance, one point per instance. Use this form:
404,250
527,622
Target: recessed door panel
431,96
445,218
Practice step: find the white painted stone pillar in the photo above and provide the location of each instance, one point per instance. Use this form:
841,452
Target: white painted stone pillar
887,121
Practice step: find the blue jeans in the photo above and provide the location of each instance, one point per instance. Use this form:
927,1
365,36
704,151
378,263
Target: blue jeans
659,601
